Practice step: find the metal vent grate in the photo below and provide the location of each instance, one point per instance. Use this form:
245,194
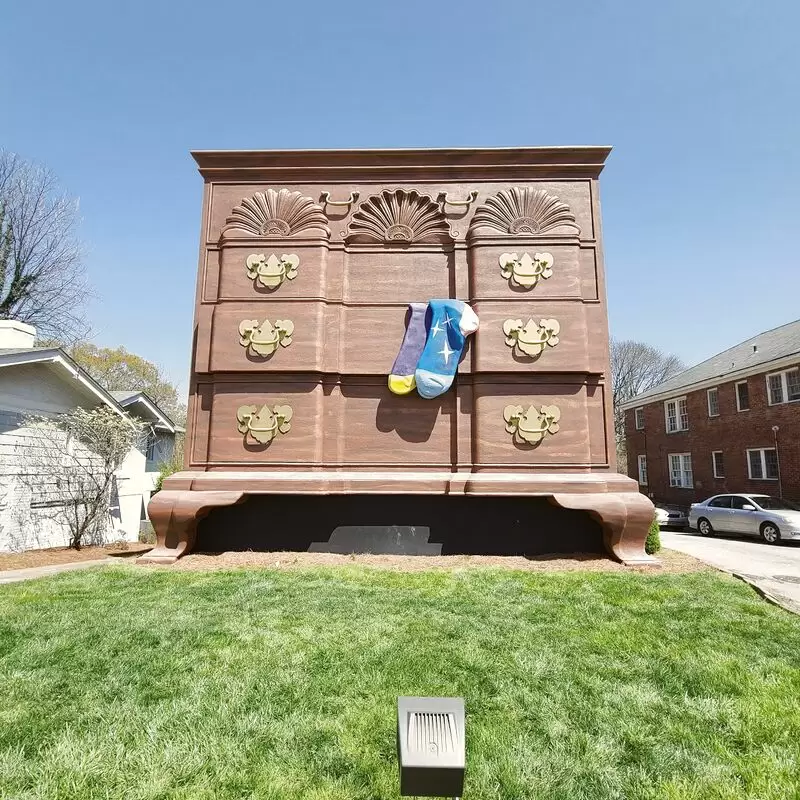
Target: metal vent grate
433,733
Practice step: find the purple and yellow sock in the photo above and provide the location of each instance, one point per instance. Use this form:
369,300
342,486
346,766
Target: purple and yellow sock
401,378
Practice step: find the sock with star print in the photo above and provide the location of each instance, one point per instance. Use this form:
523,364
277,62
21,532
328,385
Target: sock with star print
401,378
451,321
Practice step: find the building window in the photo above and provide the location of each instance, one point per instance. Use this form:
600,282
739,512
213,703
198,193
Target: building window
680,470
152,441
642,460
742,396
639,419
762,464
783,387
718,463
677,415
713,402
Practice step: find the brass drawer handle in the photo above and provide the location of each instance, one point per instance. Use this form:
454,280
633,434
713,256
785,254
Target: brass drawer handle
264,424
525,271
531,426
532,338
263,339
273,271
325,199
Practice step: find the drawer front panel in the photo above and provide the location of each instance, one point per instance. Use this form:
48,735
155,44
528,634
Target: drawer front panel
271,281
488,282
580,407
377,427
308,327
532,348
397,275
351,424
371,339
301,445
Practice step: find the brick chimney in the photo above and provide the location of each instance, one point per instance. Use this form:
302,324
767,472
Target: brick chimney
16,335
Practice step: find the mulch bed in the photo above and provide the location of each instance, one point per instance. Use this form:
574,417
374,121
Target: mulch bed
66,555
671,561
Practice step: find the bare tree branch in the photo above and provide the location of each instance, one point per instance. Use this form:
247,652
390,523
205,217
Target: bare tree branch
635,368
42,279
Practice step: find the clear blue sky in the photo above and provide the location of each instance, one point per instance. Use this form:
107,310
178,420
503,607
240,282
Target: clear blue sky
699,98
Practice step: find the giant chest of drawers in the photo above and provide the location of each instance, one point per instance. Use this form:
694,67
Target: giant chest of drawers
309,260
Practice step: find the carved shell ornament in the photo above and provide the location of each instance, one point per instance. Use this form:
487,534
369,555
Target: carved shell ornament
525,271
531,426
263,339
532,338
282,213
401,216
265,423
272,271
521,211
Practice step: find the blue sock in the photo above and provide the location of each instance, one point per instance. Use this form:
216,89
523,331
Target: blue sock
451,321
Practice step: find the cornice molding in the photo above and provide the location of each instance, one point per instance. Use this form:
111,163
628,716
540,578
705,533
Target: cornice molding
512,163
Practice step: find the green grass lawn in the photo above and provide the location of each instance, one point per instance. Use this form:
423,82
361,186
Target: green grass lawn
126,683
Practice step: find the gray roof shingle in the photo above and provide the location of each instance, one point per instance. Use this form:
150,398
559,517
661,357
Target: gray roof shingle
750,354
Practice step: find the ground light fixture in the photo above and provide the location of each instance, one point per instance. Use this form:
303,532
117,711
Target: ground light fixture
430,746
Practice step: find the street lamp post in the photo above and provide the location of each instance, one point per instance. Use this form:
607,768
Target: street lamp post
775,430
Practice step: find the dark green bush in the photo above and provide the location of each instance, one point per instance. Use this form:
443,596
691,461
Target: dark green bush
653,542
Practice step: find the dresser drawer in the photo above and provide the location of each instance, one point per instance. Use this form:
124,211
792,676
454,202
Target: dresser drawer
230,439
324,337
494,275
507,415
355,422
268,337
378,428
396,274
539,336
287,270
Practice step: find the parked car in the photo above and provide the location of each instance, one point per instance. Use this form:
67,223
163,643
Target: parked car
671,517
770,518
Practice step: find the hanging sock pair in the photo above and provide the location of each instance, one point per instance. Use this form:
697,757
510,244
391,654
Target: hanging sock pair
432,347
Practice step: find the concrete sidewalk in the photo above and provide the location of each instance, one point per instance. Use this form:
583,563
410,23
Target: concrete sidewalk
774,570
14,575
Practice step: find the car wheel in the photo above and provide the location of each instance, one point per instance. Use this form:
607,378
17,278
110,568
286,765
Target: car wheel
704,526
770,533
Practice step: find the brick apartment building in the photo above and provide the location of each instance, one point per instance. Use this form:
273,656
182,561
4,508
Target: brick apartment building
729,424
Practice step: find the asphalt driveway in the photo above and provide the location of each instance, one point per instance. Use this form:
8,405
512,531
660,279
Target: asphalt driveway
773,568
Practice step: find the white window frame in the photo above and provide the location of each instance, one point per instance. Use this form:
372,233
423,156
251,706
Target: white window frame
676,401
636,413
784,387
686,476
715,390
714,463
641,463
736,389
762,452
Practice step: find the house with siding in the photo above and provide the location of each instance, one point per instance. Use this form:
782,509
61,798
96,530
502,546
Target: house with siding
729,424
45,381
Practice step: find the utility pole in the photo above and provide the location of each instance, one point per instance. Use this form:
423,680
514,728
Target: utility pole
775,430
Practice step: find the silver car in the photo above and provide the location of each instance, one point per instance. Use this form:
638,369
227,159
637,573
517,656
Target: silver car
755,514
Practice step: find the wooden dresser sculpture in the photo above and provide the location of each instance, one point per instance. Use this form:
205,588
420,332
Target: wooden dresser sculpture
308,262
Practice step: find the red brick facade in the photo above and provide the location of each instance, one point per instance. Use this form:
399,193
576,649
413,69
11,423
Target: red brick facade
733,432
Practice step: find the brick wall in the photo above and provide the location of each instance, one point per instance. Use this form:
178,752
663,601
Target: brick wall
733,432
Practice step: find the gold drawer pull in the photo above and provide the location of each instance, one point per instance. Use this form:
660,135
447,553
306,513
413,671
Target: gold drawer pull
273,271
531,426
525,271
532,338
326,199
264,424
263,339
